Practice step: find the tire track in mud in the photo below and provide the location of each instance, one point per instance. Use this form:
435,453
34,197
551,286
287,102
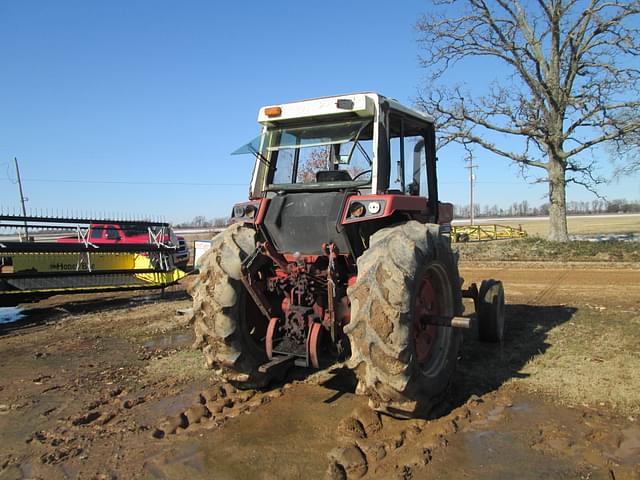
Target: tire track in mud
551,444
375,446
74,436
554,282
212,408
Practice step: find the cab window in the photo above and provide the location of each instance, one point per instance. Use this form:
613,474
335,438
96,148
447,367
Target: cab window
96,233
407,155
112,233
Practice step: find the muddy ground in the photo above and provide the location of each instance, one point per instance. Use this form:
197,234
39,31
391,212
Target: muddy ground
108,387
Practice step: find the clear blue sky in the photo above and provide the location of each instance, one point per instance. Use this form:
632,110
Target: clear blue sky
162,91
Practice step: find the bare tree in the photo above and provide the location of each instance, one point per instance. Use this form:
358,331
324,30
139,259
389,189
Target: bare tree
315,159
199,221
572,83
320,159
627,150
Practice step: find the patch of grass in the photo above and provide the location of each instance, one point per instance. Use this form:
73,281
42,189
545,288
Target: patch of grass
181,366
536,249
153,320
593,359
574,356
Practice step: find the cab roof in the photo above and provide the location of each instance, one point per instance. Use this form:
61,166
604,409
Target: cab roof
363,104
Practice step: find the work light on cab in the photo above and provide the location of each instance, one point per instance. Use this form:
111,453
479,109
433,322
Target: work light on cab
273,111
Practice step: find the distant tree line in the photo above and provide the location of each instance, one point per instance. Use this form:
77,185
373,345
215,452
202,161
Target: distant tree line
201,221
524,209
516,209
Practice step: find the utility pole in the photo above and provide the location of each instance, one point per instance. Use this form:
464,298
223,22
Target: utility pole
22,200
471,166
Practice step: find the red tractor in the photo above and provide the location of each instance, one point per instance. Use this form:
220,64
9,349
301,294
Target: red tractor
342,253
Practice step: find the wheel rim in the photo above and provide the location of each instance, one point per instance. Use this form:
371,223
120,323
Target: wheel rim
426,304
271,332
433,298
313,344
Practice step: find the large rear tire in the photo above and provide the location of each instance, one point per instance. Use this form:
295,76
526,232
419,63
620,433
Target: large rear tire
228,325
402,364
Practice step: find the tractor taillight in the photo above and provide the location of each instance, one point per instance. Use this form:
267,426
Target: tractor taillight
356,209
238,211
374,208
250,211
245,212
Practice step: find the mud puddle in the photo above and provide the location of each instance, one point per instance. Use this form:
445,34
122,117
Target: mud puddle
493,454
287,438
542,442
312,431
494,436
11,314
174,405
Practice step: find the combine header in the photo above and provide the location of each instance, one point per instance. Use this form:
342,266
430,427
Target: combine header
79,263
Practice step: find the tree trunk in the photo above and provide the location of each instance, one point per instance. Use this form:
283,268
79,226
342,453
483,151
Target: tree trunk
557,202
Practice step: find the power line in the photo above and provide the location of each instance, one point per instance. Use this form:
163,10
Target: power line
205,184
128,182
475,182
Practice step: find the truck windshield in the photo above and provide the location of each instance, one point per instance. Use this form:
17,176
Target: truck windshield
321,153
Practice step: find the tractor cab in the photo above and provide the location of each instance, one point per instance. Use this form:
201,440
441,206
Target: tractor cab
327,166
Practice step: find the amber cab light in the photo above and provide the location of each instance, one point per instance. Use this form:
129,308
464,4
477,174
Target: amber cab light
273,111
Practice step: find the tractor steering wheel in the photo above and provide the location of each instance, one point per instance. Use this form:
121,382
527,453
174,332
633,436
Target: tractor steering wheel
360,174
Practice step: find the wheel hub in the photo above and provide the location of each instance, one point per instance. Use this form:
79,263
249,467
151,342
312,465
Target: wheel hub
426,304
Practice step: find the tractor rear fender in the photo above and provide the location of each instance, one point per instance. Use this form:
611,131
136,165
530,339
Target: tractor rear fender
445,213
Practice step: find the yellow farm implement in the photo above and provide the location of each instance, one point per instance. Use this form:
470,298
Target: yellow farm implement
467,233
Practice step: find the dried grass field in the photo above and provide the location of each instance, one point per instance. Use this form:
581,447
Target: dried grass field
577,225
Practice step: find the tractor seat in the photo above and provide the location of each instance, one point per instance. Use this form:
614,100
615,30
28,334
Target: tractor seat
323,176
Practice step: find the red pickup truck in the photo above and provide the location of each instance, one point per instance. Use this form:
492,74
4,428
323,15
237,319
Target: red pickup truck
105,233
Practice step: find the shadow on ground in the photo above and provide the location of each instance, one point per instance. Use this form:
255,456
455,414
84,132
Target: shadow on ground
484,367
